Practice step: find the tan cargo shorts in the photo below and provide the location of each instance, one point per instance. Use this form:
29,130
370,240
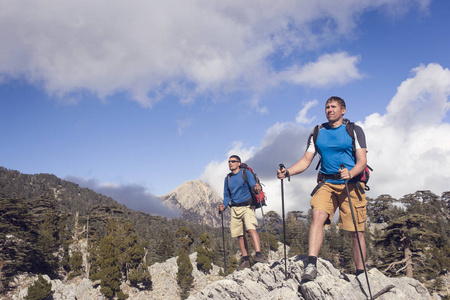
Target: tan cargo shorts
242,216
331,196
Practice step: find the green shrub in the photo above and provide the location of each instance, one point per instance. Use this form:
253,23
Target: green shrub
41,289
184,274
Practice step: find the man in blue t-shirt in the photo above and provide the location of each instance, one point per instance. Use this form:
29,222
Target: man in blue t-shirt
236,194
335,147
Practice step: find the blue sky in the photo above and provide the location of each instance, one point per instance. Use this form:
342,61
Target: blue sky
133,99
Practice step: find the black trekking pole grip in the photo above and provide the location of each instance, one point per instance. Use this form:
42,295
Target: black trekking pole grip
356,232
287,172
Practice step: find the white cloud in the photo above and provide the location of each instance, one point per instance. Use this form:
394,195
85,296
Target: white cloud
301,117
154,49
336,68
216,171
421,99
409,146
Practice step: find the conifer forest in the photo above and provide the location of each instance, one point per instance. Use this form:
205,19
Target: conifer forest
82,233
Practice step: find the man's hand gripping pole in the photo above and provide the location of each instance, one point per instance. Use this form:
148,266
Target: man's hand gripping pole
287,172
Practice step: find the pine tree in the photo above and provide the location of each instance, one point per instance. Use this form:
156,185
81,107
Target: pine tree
109,268
47,243
75,264
119,254
94,261
408,234
232,265
331,246
140,277
382,209
130,252
17,238
204,254
343,247
273,243
274,223
296,233
184,274
165,249
185,237
41,289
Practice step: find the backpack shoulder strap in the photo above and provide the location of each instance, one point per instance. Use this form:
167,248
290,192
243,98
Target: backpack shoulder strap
228,184
244,168
350,127
315,136
316,132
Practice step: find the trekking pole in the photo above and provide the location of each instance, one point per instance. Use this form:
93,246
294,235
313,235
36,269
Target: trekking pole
284,230
357,235
223,239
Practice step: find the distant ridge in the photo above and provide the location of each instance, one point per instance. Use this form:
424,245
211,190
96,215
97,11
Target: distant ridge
195,199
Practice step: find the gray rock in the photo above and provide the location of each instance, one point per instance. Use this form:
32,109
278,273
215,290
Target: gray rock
261,281
268,281
79,289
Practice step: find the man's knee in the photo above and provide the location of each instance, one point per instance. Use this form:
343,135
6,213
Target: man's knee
356,235
319,216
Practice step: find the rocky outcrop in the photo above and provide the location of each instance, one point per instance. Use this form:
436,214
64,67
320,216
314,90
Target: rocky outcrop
197,202
80,289
164,277
268,281
164,284
261,281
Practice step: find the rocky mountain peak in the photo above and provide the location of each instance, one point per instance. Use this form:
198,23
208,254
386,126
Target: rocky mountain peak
193,193
197,202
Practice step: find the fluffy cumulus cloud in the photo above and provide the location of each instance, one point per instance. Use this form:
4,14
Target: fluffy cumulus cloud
150,50
336,68
214,174
409,146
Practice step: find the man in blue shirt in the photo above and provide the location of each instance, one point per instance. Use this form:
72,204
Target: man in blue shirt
335,147
236,194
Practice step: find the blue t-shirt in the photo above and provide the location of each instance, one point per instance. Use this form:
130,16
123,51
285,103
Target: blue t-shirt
335,147
239,189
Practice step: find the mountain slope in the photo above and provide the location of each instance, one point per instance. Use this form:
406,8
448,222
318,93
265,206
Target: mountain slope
69,198
197,202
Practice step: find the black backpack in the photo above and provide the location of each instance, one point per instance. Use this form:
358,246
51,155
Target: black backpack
365,174
258,199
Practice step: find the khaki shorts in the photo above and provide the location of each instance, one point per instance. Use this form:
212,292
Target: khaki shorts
331,196
242,216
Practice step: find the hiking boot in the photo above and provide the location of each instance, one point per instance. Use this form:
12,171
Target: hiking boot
310,273
243,264
259,258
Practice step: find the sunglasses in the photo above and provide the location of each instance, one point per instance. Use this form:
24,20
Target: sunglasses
233,161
